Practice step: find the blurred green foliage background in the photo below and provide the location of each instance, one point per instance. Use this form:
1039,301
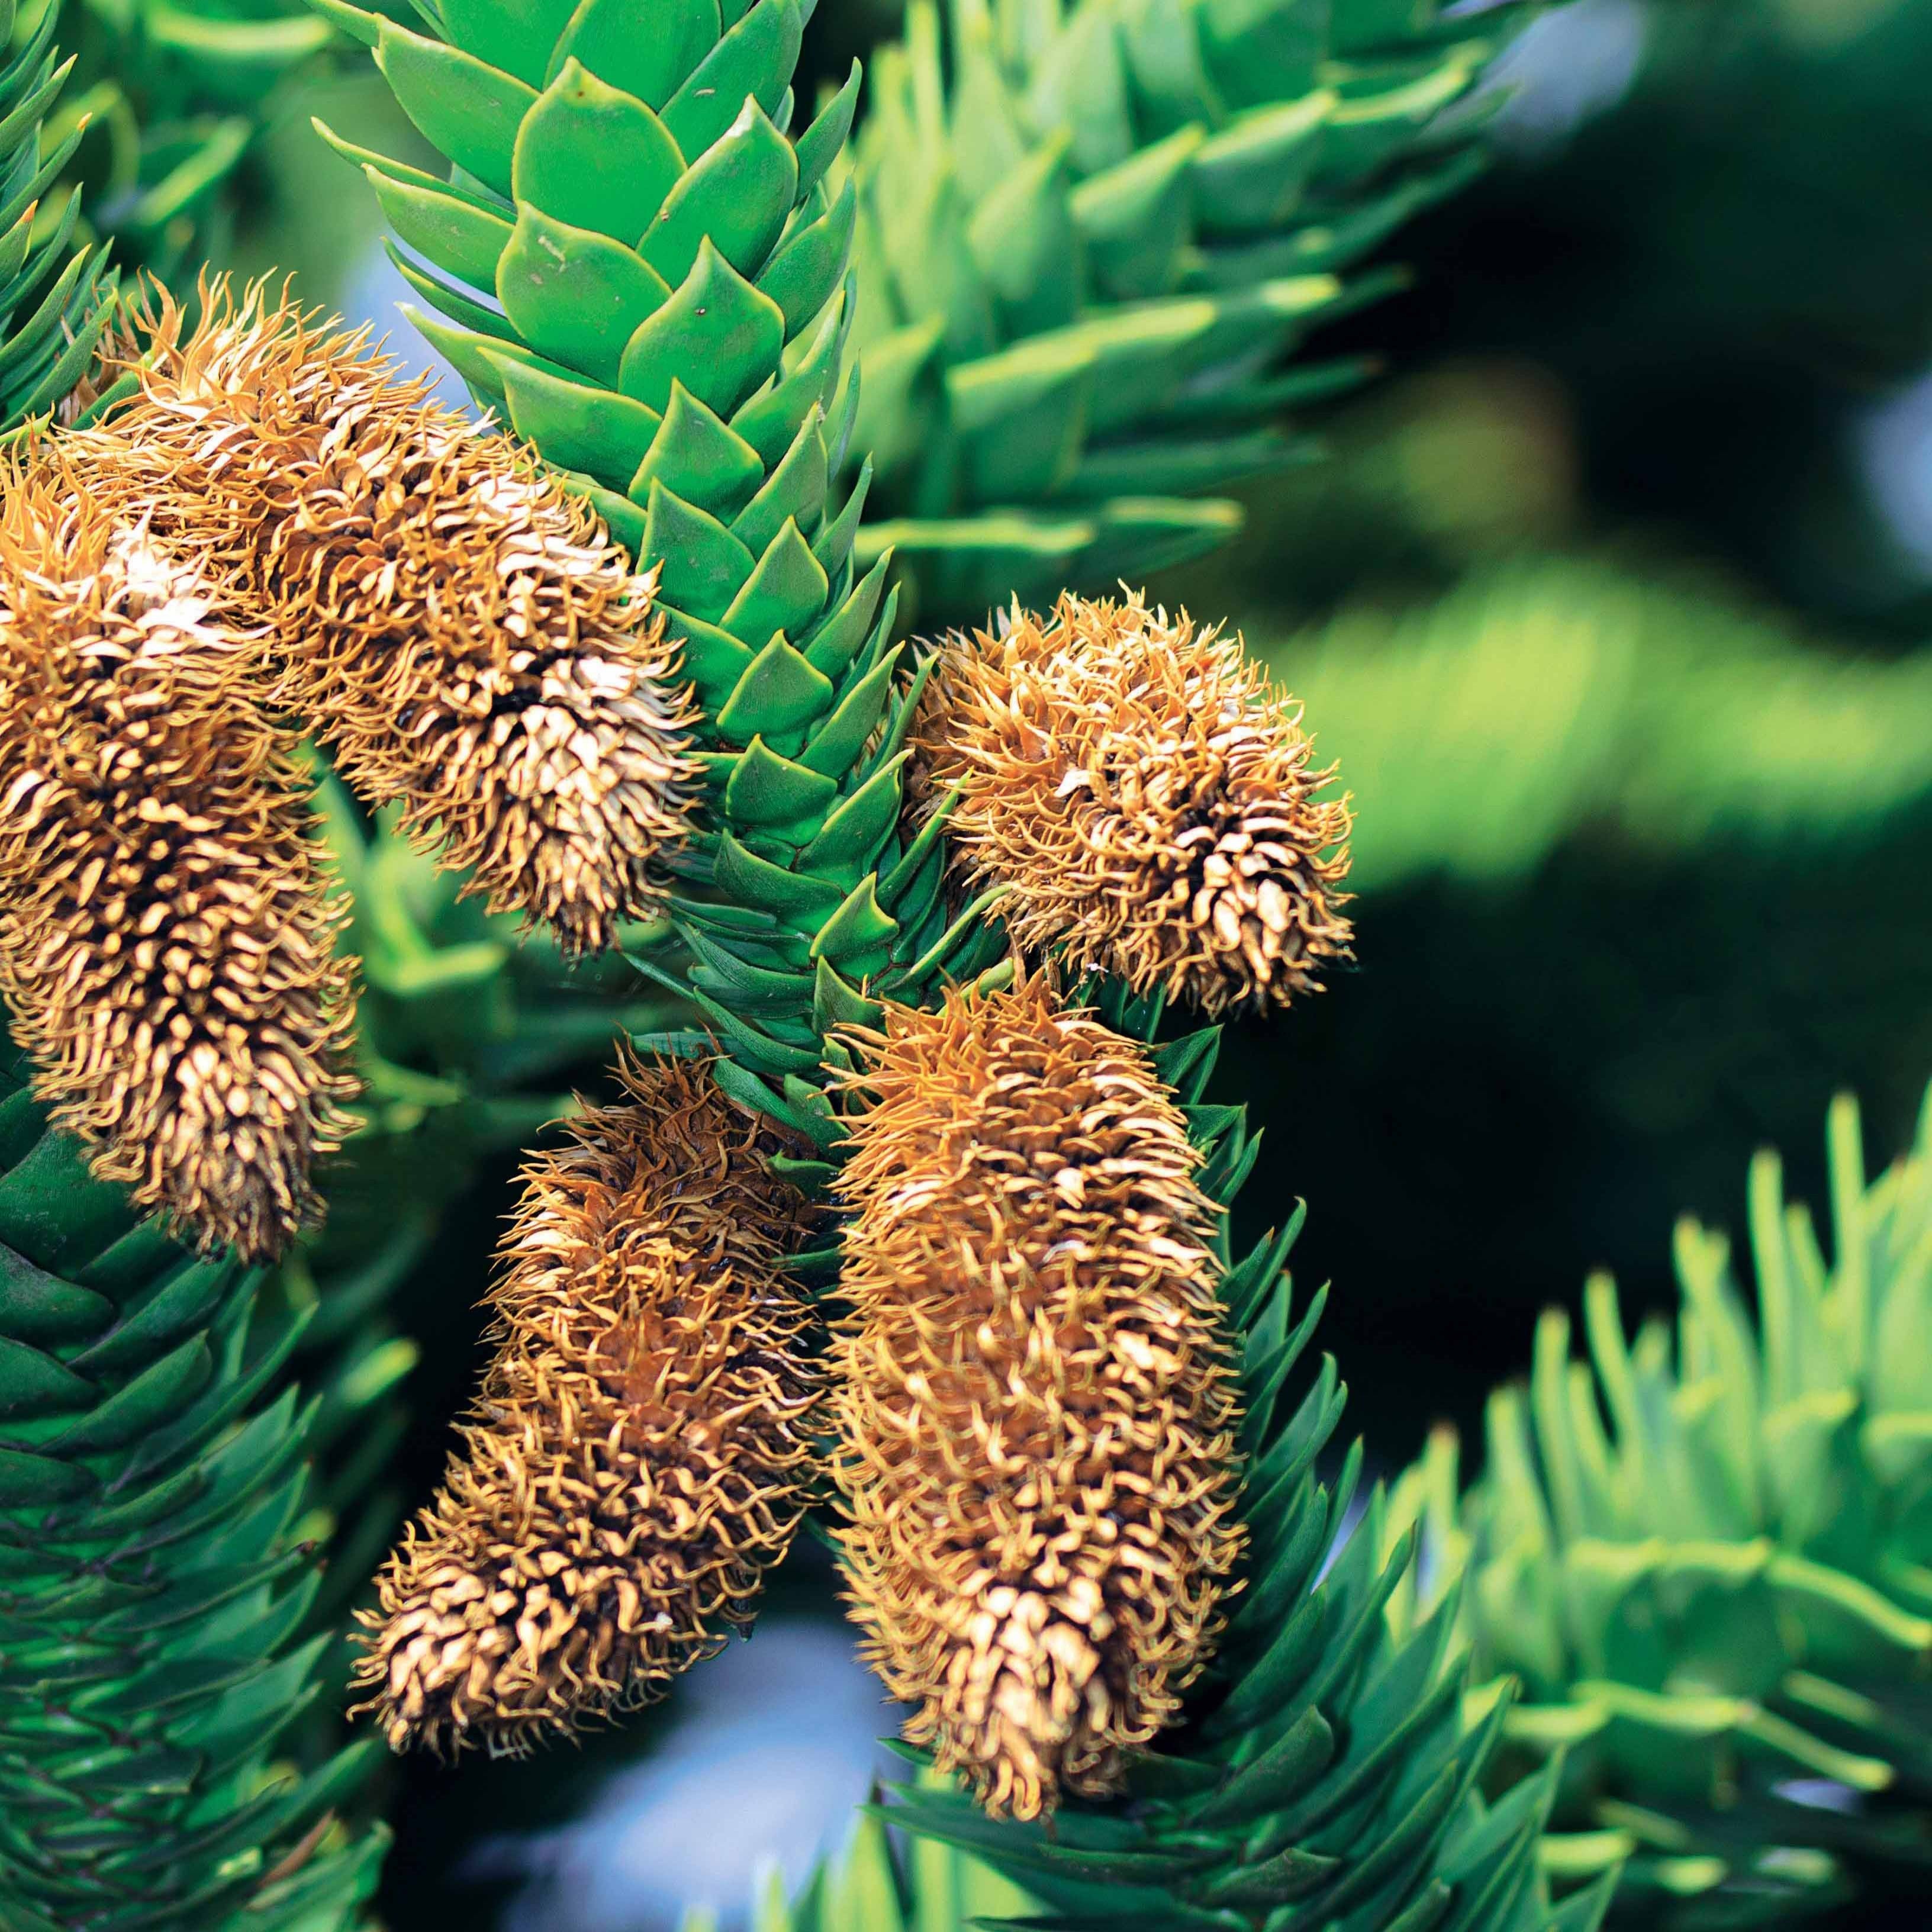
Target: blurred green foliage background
1611,598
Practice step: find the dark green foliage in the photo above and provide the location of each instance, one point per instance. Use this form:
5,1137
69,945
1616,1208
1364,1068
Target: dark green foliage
53,295
156,1566
1715,281
1711,1565
468,1033
1092,236
1326,1774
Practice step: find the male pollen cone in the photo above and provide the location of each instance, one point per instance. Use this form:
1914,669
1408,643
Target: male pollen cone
461,632
167,942
640,1452
1034,1405
1145,796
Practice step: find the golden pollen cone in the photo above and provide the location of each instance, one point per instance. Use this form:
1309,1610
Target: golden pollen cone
460,632
166,943
639,1454
1034,1404
1145,796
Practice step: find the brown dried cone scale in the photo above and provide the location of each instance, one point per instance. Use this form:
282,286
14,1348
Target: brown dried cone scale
1034,1402
166,944
640,1452
1145,797
463,635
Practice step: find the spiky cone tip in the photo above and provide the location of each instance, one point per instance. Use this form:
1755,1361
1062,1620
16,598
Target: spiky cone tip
641,1451
1034,1401
1144,798
462,634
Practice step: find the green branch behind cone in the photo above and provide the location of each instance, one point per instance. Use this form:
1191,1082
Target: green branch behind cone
1092,237
176,92
658,301
635,262
1327,1774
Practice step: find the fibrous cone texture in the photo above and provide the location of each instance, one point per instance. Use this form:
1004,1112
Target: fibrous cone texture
1034,1405
1146,797
167,942
460,632
639,1454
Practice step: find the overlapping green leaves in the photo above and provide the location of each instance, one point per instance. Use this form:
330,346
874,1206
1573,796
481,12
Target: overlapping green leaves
1711,1565
868,1885
1093,236
634,262
53,295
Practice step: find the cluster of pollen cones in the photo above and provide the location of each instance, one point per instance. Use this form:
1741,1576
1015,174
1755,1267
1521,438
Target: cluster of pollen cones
1023,1403
1028,1411
276,534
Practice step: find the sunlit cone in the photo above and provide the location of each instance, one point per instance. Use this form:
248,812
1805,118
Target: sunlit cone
1034,1404
1146,798
462,634
166,944
638,1454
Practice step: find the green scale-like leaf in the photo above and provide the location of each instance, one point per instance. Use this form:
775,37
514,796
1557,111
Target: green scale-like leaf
1326,1774
599,259
1092,237
155,1576
1711,1566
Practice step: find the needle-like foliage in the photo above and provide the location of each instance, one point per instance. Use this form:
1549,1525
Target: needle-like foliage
55,298
155,1570
1709,1562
